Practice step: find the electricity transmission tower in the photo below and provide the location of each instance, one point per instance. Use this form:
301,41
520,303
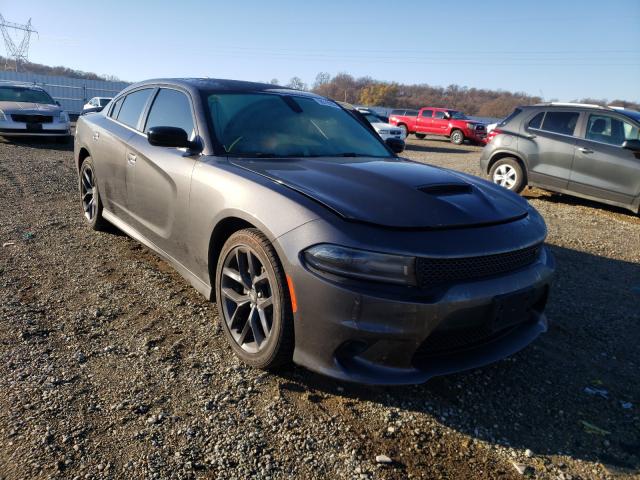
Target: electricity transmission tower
19,52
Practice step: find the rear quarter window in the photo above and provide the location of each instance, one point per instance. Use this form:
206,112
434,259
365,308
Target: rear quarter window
510,117
536,122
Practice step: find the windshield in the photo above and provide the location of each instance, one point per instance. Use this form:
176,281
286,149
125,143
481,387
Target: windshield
275,125
104,101
25,94
457,115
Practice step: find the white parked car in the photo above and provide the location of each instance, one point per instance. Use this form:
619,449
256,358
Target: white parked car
96,102
385,130
28,110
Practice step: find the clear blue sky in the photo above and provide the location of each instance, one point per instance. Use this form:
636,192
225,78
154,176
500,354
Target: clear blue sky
556,49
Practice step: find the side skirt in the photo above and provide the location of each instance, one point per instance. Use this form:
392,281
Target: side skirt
198,284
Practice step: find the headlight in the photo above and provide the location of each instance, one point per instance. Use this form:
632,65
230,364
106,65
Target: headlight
383,132
3,117
64,117
362,264
471,126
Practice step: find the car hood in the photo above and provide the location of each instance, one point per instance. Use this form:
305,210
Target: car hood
393,192
27,107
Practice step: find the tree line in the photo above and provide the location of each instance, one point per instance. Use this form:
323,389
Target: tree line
40,69
473,101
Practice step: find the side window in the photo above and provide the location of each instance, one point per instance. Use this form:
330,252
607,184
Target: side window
560,122
411,113
536,122
611,130
132,107
427,113
440,115
171,108
116,108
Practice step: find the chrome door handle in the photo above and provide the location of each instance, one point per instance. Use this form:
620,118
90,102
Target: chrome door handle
96,135
131,158
585,150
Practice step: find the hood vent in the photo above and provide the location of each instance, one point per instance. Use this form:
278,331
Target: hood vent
440,190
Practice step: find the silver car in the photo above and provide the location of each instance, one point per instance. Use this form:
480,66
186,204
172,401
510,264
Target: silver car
584,150
317,242
28,110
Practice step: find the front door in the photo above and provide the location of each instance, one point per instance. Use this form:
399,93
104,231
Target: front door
440,124
602,168
161,176
423,121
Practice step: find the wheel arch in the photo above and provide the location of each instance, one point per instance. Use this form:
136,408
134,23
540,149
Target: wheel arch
83,153
504,154
220,234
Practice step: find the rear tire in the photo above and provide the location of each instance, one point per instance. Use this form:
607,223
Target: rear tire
420,135
508,173
457,137
90,196
253,301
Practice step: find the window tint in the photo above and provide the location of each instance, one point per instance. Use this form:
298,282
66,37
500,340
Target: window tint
116,108
131,109
411,113
440,115
171,108
611,130
536,122
427,113
560,122
397,112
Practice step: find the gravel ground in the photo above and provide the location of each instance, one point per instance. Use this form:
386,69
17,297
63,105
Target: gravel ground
111,366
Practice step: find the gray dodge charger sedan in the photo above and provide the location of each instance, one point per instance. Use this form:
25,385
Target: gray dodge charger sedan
319,245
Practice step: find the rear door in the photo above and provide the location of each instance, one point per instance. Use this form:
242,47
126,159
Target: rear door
162,176
549,140
602,168
111,144
424,121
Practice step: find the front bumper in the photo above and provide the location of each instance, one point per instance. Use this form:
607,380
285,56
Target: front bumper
384,136
378,337
479,136
19,129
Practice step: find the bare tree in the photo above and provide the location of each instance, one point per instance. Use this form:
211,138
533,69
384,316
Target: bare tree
297,84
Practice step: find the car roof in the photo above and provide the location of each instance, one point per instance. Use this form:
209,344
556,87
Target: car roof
206,84
21,85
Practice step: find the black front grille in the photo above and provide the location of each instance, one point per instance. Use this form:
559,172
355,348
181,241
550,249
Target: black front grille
19,117
438,271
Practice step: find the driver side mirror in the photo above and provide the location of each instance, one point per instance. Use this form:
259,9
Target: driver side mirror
633,145
395,144
172,137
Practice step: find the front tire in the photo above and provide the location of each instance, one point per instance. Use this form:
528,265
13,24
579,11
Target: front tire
457,137
90,196
508,173
405,130
253,301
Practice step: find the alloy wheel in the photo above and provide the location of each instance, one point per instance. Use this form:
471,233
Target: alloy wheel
505,176
247,303
88,192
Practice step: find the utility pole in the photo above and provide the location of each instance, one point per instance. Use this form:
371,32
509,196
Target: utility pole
19,52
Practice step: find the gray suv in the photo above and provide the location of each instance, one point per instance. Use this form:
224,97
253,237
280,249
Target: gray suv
584,150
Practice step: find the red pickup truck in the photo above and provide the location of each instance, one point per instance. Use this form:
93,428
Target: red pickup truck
440,121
